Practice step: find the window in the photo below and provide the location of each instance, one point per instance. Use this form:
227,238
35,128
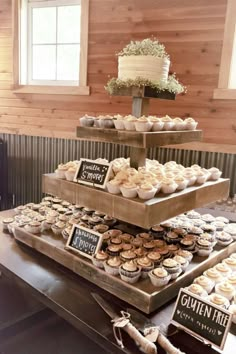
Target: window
50,46
227,77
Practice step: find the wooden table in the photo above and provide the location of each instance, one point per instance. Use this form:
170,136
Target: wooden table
70,297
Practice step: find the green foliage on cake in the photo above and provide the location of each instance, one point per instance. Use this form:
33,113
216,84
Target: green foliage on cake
145,47
172,85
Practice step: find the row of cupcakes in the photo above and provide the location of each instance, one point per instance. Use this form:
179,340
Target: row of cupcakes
218,285
142,124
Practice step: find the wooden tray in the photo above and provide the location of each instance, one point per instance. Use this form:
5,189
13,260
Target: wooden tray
138,139
136,211
143,294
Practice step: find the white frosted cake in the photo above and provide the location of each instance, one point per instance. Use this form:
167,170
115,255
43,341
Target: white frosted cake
144,66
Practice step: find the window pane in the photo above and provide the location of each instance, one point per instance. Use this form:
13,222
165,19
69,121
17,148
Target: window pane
44,62
232,81
44,25
68,62
69,24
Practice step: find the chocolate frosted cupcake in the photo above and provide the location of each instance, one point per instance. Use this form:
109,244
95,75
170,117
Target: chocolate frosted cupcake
146,265
95,220
112,265
137,242
140,252
180,231
187,244
127,247
127,255
172,237
101,228
99,258
173,249
114,233
159,276
149,246
126,238
144,236
130,272
109,220
115,241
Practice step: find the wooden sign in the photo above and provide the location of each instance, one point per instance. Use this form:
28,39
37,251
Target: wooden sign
92,173
84,241
201,318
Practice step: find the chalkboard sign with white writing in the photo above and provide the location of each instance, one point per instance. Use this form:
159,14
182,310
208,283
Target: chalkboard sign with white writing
92,173
84,241
201,318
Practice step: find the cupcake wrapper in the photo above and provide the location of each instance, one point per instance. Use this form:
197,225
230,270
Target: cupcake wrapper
111,270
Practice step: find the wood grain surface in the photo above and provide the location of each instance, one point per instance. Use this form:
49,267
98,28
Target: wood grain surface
193,35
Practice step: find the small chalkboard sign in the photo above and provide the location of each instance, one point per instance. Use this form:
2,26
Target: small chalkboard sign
84,241
201,318
92,173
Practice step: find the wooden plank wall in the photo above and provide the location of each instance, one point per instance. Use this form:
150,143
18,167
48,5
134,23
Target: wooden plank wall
192,32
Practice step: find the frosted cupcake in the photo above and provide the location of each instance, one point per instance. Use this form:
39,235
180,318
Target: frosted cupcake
158,124
86,121
181,182
129,190
168,186
223,269
204,247
186,254
99,258
130,272
230,262
223,238
146,191
172,267
201,177
182,261
146,265
232,279
215,173
126,256
225,289
34,227
168,123
60,171
143,124
159,277
6,222
179,124
113,186
191,124
112,265
205,282
66,232
119,122
214,275
70,173
232,309
129,122
219,300
197,289
58,227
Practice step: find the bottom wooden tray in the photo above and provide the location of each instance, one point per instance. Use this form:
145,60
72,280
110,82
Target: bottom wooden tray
143,294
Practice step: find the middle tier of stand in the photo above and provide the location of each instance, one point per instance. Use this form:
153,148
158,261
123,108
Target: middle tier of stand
143,213
138,139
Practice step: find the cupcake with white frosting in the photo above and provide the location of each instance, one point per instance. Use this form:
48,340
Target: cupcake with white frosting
205,282
129,190
219,300
119,122
191,124
146,265
146,191
113,186
129,122
158,124
214,275
112,265
225,289
159,276
197,289
168,186
130,272
168,123
99,258
143,124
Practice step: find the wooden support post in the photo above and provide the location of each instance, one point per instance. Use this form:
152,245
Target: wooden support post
140,106
137,157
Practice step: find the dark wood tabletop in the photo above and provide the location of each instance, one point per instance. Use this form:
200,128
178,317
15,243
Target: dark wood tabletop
70,297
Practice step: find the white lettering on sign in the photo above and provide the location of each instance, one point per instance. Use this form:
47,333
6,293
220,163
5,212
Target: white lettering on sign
197,306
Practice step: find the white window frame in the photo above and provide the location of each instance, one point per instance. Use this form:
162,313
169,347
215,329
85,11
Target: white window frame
59,87
224,91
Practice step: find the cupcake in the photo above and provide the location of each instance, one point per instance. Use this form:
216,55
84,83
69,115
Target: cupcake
19,209
126,238
223,269
168,186
149,246
204,247
219,225
157,231
230,262
215,173
225,289
197,289
145,236
158,124
181,182
109,220
146,265
223,238
86,121
106,122
127,247
112,265
129,190
232,279
70,173
48,222
6,222
205,282
214,275
114,250
172,267
143,124
127,255
191,124
58,227
180,124
155,257
168,123
34,227
115,241
140,252
172,237
146,191
219,300
119,122
129,122
173,249
99,258
187,244
159,277
232,309
113,186
137,242
66,232
130,272
95,220
182,261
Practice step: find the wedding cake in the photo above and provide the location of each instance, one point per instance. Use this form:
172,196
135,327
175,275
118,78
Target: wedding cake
145,59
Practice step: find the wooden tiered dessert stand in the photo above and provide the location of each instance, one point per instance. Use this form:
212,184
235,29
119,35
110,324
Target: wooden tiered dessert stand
135,211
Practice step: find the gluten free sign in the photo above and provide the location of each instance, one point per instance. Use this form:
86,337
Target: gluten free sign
201,318
92,173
